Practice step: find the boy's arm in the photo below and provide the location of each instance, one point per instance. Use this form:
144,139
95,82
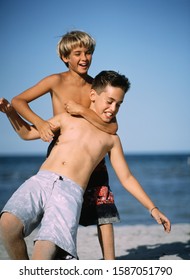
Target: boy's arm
74,108
22,128
130,183
20,103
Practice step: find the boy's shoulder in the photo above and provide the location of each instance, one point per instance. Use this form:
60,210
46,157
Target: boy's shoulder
55,79
57,76
63,76
65,79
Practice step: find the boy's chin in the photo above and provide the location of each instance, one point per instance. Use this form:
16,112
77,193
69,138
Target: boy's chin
106,120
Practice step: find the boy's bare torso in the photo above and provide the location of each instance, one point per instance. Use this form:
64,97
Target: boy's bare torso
69,86
80,147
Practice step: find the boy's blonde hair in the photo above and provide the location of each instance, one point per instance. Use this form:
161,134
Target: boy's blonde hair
73,39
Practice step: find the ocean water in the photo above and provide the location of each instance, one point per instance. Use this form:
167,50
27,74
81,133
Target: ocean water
166,179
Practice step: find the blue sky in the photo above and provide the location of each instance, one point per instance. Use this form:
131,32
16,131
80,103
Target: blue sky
147,40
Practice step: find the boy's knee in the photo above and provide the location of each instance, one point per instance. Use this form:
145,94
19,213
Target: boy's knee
10,224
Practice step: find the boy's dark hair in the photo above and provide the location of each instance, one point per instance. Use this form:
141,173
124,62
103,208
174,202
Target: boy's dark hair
111,78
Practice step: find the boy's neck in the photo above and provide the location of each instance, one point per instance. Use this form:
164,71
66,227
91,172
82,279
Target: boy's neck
81,78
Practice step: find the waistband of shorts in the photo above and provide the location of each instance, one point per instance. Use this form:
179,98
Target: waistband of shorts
59,177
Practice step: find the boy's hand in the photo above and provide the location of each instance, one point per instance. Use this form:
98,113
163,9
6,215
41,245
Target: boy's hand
5,106
161,219
76,109
73,108
45,130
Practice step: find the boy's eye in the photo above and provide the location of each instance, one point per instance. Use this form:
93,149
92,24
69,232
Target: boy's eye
88,52
109,101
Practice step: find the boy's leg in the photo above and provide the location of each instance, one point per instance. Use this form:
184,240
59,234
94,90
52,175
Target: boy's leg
12,235
105,231
44,250
106,239
59,224
99,208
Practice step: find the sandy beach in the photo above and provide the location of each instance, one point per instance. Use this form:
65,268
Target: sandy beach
136,242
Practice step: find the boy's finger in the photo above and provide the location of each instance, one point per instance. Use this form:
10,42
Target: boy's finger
166,225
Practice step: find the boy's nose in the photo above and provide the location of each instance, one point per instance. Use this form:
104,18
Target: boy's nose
83,56
113,107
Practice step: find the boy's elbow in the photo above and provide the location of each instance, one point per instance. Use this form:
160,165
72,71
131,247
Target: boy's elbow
15,102
113,128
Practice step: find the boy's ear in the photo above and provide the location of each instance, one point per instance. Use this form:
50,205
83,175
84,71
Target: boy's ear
65,59
93,95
